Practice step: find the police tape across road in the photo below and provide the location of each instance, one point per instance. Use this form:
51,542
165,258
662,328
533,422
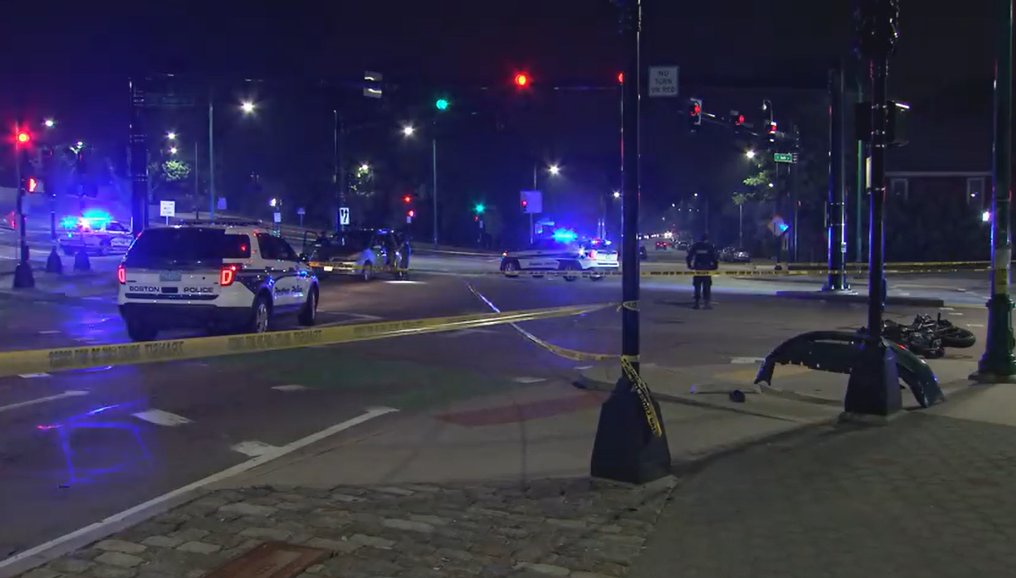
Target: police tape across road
60,359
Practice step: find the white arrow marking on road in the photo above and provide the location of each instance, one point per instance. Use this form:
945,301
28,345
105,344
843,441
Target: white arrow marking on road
32,375
68,393
254,448
529,379
293,387
159,417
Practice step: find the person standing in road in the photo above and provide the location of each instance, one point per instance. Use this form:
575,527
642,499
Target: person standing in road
702,257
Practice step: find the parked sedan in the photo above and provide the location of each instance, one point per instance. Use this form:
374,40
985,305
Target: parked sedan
732,255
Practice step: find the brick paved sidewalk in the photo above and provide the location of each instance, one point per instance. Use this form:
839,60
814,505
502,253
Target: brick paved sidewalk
574,528
928,495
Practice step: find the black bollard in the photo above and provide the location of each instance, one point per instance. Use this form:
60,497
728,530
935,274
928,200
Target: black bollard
82,262
53,263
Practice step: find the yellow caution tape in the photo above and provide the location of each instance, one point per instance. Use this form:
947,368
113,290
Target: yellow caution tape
640,388
52,360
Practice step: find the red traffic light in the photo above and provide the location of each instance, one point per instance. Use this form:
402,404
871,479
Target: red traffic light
521,80
24,137
772,127
525,203
31,183
620,78
410,213
407,199
739,120
696,109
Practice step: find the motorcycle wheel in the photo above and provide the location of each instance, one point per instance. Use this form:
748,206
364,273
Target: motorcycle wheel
957,337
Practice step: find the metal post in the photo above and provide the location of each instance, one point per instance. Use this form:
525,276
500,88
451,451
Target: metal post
862,186
197,183
532,225
23,278
338,180
433,170
873,387
212,201
740,225
836,228
627,447
998,363
139,160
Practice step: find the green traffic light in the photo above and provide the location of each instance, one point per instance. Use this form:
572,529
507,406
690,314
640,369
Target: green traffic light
479,208
441,104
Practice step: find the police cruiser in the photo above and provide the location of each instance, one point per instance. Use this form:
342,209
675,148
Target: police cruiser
98,235
220,275
562,253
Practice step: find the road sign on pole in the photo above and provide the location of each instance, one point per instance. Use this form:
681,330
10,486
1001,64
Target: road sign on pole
783,157
663,81
167,209
344,216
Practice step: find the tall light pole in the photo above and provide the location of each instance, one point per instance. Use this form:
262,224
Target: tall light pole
631,445
212,201
998,363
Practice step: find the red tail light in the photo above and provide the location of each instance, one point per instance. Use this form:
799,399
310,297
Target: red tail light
228,274
121,274
592,254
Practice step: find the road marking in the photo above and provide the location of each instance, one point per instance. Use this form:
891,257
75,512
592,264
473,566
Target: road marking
464,332
583,367
291,387
956,313
529,379
38,555
746,360
406,282
159,417
49,332
32,375
68,393
946,309
254,448
975,325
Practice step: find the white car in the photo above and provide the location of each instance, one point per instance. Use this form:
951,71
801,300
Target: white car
553,255
98,237
220,276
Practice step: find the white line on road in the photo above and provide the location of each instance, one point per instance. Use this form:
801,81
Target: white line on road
254,448
975,325
49,332
32,375
290,387
159,417
68,393
406,282
583,367
746,360
529,379
957,314
946,309
43,553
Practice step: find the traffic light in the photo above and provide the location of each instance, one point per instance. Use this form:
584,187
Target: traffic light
620,78
24,137
31,184
737,120
695,111
407,199
441,104
410,213
525,205
521,80
479,208
772,128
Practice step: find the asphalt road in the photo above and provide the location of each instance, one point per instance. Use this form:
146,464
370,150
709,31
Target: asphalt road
78,446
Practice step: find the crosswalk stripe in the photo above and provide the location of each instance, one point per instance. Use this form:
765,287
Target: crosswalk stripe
253,448
163,418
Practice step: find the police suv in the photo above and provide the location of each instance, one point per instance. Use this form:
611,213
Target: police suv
574,257
220,275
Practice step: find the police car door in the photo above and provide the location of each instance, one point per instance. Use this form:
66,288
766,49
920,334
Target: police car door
541,255
286,291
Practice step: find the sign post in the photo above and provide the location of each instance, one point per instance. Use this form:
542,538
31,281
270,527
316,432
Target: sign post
167,209
300,212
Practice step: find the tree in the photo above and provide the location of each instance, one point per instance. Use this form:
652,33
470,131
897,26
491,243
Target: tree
169,172
739,199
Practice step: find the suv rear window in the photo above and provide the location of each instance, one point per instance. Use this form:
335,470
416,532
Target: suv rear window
183,246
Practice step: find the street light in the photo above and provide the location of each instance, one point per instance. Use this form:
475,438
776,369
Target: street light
247,107
554,169
364,168
408,130
749,154
173,150
49,123
617,194
695,195
273,202
171,135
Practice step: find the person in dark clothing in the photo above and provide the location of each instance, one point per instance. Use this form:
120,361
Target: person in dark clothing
702,257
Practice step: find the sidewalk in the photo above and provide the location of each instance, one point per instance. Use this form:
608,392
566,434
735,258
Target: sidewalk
71,286
498,486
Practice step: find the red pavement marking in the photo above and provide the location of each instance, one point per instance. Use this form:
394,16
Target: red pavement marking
515,413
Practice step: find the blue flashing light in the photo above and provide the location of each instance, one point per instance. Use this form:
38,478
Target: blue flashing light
96,218
783,227
564,235
69,222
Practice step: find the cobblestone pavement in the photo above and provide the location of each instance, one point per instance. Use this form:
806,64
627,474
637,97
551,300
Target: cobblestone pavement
927,496
573,528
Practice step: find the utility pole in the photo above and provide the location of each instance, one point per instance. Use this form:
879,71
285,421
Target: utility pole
837,249
138,159
862,170
873,387
433,171
338,166
212,201
631,444
997,364
23,277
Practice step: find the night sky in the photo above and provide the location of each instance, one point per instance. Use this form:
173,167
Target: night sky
73,58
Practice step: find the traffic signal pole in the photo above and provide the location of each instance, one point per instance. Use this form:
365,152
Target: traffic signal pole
631,444
998,364
138,159
23,278
873,388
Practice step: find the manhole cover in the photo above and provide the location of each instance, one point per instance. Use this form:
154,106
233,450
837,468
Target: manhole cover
271,560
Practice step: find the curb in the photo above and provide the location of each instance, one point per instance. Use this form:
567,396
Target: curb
854,298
